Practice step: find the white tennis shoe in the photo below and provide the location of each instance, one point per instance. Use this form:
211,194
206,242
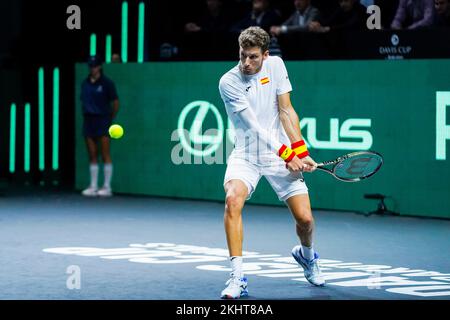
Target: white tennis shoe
104,192
236,288
311,268
89,192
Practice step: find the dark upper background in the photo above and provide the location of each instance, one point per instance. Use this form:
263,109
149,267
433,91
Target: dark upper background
34,34
35,31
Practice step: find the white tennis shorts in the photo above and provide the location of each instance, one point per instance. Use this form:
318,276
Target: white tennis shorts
283,182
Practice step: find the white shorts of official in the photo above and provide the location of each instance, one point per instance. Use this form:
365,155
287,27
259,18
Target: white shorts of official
283,182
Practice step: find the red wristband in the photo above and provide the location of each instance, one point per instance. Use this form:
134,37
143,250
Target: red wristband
300,149
286,153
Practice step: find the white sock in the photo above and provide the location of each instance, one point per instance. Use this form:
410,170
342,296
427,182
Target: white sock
108,171
308,252
93,169
236,266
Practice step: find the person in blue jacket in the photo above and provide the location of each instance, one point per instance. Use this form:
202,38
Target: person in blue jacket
100,105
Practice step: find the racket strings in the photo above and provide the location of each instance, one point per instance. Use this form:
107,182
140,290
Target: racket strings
358,167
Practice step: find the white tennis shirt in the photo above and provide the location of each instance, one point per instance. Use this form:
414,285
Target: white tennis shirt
258,92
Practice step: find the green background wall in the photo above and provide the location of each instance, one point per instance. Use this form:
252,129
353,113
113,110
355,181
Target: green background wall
398,96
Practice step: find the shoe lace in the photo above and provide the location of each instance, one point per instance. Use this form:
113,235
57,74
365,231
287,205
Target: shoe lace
233,282
314,265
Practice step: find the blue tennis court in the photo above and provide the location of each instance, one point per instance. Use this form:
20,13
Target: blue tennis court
60,245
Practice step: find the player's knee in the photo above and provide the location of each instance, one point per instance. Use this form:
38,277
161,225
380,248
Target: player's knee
305,221
234,204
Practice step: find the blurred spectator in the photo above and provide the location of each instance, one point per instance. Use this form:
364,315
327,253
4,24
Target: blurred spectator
442,13
388,9
327,8
115,58
240,8
261,15
213,21
299,20
367,3
167,51
350,15
413,14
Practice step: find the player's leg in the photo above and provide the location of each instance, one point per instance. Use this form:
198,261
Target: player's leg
107,166
292,189
300,207
241,179
92,150
236,192
304,254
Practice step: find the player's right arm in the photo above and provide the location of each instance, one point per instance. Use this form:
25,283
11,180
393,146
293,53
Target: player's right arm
289,118
236,102
291,124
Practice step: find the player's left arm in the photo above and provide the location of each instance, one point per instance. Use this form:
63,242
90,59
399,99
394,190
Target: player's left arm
291,124
289,117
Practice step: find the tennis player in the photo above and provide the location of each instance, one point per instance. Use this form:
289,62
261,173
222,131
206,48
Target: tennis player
268,142
100,105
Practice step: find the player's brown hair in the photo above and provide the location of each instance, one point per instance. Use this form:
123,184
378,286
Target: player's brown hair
254,37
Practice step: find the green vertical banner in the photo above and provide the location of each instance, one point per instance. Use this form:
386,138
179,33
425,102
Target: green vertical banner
125,31
55,146
108,48
27,138
141,25
178,136
93,44
41,119
12,139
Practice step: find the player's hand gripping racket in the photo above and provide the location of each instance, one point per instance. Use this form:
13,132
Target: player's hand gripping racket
354,166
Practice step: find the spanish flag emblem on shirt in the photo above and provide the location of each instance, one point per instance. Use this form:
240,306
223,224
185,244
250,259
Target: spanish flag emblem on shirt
264,80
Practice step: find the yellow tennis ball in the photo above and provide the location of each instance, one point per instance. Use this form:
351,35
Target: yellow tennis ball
116,131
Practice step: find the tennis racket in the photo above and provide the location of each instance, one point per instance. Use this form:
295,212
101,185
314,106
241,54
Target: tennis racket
353,167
